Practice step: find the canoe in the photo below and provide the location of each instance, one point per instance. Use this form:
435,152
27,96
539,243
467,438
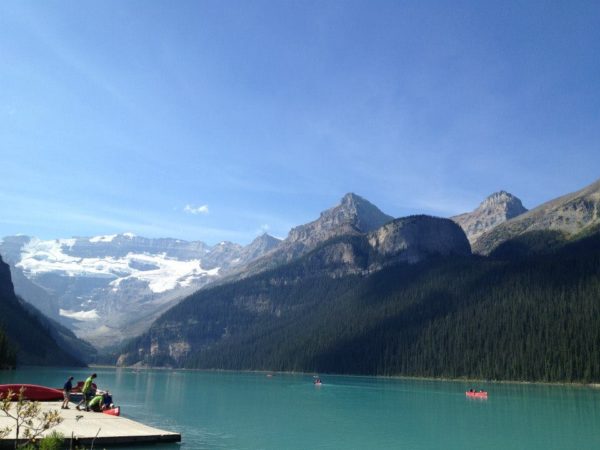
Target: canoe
116,411
480,394
32,392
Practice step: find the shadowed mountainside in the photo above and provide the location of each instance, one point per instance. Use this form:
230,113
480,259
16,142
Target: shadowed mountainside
30,334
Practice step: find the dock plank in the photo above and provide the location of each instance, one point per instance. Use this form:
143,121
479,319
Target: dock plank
84,426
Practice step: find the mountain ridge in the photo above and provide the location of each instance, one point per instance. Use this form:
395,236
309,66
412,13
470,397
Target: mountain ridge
351,237
448,316
569,214
353,215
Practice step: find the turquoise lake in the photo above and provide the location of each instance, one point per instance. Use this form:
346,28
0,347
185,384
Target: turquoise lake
227,410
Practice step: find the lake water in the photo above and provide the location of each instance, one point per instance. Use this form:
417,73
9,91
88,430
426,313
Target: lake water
224,410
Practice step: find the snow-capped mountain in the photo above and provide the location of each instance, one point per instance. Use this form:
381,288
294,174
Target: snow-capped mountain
111,287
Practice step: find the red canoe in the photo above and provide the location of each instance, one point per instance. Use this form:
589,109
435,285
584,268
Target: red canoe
32,392
113,412
473,394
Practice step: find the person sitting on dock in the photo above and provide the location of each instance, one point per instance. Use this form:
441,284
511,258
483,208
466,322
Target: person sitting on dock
86,390
67,393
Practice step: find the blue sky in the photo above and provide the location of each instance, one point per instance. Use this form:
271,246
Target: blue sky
218,120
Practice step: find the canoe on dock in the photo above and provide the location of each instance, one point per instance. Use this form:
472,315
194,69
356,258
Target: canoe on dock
32,392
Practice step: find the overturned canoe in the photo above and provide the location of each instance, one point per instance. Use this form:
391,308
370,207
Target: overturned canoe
113,411
31,392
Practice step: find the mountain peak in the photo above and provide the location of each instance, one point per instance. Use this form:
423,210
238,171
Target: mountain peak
353,215
265,241
265,237
351,199
354,211
259,246
497,208
504,200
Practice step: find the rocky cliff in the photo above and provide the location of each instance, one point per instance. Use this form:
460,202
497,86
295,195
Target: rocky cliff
414,238
407,239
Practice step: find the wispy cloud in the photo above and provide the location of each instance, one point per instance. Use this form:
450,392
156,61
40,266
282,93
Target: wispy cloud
264,228
203,209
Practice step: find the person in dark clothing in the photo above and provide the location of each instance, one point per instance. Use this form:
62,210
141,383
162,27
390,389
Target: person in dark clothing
67,393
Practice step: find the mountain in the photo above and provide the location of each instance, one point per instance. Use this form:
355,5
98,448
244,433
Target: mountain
260,246
562,218
215,315
494,210
407,239
34,338
108,288
353,216
535,319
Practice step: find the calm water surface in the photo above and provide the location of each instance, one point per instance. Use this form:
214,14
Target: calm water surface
224,410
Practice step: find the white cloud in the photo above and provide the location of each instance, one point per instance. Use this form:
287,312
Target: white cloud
196,209
83,316
264,228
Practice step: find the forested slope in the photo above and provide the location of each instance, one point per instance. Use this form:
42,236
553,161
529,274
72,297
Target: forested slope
531,317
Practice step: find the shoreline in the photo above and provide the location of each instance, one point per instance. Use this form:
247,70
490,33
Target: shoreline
477,381
593,385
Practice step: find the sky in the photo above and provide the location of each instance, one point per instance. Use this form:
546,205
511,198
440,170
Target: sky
222,120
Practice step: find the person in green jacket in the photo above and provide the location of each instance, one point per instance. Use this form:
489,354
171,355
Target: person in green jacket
96,403
86,390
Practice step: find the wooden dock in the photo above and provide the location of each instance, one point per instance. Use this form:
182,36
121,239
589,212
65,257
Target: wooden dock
103,429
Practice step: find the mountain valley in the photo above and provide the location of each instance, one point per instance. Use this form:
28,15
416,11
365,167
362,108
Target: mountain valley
354,291
109,288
